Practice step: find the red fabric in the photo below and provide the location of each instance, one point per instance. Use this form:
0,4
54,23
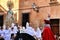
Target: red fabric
48,34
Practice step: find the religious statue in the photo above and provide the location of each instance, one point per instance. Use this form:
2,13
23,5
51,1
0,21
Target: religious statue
9,17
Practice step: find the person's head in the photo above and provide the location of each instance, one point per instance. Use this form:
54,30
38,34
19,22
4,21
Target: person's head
21,27
47,23
18,28
12,28
41,28
7,27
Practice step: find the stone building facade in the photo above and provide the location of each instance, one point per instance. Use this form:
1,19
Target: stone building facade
25,12
51,7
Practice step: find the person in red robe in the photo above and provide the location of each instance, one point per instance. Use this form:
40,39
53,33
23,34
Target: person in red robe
47,33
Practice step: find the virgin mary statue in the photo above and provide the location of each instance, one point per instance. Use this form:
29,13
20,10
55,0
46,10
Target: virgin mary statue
9,17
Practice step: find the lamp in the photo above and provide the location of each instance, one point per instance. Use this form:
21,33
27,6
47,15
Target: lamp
35,8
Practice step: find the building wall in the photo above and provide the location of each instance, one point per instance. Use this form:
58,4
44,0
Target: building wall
46,7
34,16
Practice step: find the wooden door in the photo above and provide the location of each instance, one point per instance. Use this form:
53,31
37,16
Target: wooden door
55,26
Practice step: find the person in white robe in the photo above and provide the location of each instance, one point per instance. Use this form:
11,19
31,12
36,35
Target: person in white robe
27,24
12,33
24,29
1,33
15,29
12,25
37,33
29,29
4,26
21,29
7,34
34,31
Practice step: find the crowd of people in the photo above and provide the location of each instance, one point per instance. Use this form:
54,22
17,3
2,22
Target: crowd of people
10,32
40,34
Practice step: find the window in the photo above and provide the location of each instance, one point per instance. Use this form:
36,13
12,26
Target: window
53,0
